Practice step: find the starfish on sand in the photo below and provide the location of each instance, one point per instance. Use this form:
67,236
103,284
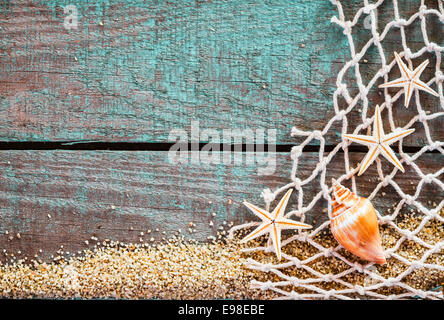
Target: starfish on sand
273,223
409,80
378,143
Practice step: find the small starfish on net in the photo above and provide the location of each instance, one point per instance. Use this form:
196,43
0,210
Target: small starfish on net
378,143
409,80
273,223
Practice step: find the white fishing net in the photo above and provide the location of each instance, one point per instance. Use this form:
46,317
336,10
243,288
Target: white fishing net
350,102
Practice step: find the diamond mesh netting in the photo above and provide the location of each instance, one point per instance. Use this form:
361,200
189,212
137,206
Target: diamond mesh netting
311,286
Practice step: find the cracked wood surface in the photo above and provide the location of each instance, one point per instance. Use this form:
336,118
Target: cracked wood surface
134,70
117,194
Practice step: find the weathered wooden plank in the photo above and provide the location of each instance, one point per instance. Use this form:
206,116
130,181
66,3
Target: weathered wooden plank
118,195
134,70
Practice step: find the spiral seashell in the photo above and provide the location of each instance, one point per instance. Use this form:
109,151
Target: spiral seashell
354,224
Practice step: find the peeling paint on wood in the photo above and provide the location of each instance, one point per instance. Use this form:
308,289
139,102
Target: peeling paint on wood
117,195
134,70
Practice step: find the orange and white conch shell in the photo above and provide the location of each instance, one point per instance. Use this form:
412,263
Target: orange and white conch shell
354,224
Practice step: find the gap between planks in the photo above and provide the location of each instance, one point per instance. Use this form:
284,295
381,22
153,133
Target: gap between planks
148,146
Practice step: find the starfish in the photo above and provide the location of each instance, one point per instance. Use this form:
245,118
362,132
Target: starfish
409,80
273,223
379,143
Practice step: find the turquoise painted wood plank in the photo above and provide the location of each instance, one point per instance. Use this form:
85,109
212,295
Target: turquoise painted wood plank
135,70
55,198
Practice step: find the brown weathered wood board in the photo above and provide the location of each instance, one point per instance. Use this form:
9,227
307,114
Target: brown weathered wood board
134,70
117,195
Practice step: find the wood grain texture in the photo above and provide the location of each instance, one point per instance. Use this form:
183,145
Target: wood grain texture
117,195
134,70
